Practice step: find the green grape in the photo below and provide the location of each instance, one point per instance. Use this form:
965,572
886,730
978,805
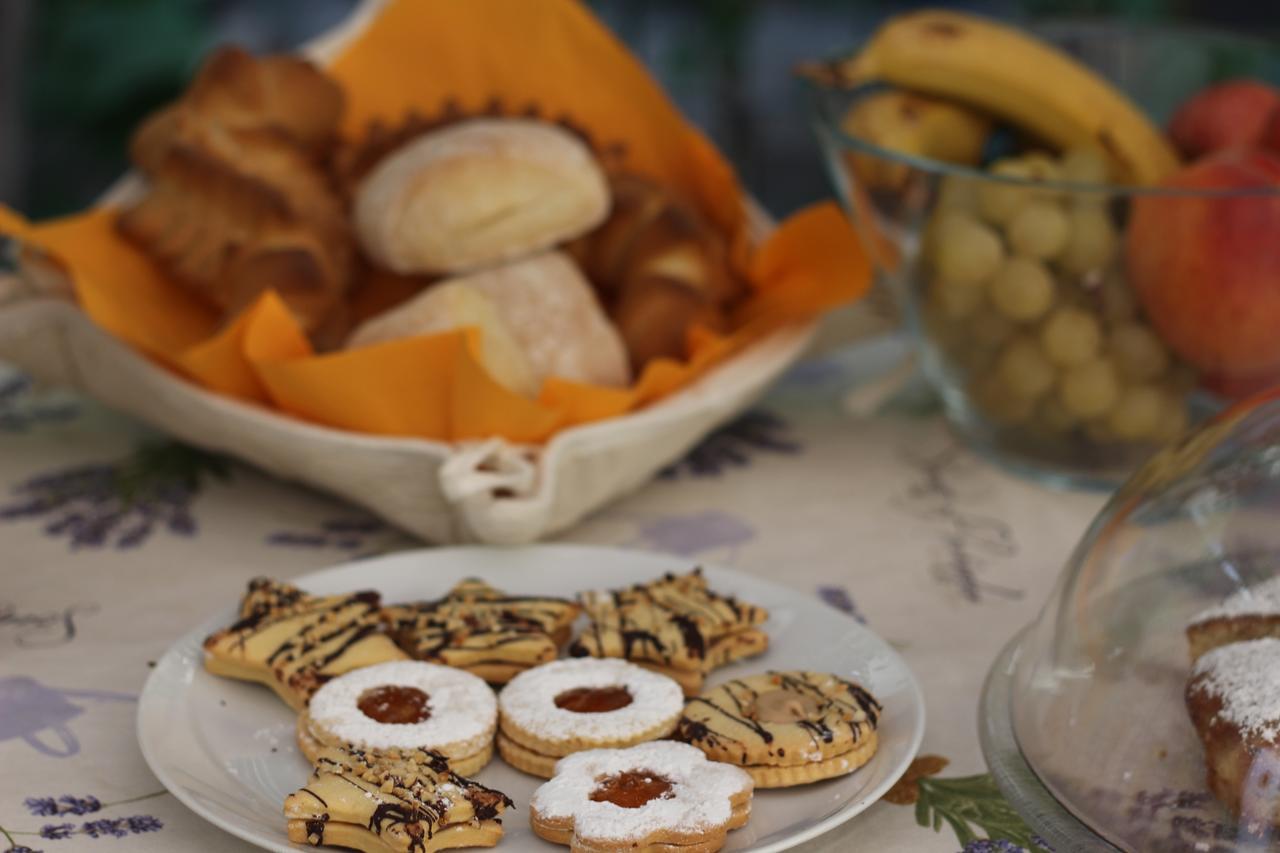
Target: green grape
1039,230
1118,302
964,250
989,328
1085,165
1173,420
957,193
1053,416
956,301
994,400
1022,290
1089,390
1070,336
1092,241
998,201
1137,352
1023,369
1136,415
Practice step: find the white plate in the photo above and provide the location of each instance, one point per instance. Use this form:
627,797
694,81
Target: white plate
226,749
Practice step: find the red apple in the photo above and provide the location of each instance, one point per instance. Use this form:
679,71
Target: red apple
1207,268
1223,116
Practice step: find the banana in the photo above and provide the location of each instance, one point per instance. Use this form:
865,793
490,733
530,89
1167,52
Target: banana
1014,76
912,124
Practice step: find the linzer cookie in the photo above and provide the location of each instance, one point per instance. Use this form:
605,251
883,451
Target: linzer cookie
661,796
404,803
294,642
673,625
478,628
785,728
1250,613
404,706
571,705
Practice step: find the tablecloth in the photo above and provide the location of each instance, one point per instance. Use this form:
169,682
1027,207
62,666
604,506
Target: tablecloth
115,541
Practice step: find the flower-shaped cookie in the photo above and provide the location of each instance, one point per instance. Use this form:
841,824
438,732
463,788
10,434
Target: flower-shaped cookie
659,795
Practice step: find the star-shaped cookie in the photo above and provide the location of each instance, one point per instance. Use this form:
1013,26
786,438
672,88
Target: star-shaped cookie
482,630
674,625
294,642
400,802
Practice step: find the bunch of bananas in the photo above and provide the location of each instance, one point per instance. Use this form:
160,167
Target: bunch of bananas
967,68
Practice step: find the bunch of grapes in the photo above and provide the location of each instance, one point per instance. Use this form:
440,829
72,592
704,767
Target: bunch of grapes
1026,298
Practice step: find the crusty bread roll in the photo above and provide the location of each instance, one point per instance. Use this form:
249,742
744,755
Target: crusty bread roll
541,306
479,193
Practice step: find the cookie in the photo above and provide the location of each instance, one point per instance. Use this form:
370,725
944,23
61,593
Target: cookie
674,625
294,642
660,796
410,802
571,705
404,705
785,728
1250,613
478,628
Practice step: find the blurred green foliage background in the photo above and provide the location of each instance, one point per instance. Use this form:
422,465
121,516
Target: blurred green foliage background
77,75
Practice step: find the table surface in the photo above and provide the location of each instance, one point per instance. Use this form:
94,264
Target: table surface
116,541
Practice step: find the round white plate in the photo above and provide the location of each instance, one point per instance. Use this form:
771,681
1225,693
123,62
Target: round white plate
225,748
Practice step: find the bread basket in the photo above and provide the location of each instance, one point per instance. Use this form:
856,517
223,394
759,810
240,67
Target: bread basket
491,491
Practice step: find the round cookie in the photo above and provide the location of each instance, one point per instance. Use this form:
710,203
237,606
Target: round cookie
659,796
404,705
570,705
785,728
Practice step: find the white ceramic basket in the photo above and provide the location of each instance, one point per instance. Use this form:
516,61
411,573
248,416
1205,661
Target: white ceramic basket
490,491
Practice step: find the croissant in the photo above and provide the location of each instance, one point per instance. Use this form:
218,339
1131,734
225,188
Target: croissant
239,200
659,266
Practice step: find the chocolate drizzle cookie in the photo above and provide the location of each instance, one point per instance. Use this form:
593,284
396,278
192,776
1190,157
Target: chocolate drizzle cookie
785,728
294,642
408,802
404,706
674,625
482,630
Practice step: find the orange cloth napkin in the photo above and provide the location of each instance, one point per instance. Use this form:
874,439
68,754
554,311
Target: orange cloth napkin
416,55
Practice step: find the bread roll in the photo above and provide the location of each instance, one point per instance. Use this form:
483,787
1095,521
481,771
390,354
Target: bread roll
538,312
478,193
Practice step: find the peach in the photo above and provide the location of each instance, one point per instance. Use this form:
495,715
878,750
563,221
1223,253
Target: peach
1207,268
1224,115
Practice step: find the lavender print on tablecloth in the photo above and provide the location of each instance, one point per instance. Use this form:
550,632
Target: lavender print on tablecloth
694,533
839,598
21,408
733,445
121,504
344,533
39,715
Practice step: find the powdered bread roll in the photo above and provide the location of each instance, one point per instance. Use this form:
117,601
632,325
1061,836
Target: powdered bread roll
479,193
543,304
455,305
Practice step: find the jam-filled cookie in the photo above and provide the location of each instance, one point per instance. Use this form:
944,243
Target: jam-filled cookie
661,796
404,705
785,728
402,803
294,642
482,630
674,625
571,705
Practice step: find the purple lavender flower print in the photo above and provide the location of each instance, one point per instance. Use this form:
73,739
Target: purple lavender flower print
21,408
41,806
732,446
121,503
57,831
346,533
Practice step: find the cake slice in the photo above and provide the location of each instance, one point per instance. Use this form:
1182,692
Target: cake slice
1250,613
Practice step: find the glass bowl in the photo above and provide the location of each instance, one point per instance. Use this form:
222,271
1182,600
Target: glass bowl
1085,723
1047,364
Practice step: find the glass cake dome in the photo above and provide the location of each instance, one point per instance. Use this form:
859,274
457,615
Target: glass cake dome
1085,723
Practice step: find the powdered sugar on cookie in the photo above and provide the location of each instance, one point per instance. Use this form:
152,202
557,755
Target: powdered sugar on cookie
460,710
529,700
700,798
1245,677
